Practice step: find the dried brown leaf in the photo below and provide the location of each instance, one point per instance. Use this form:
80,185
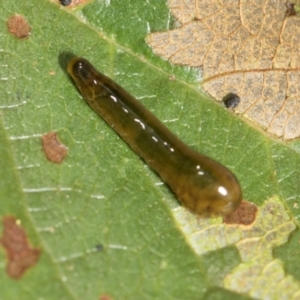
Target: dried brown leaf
247,48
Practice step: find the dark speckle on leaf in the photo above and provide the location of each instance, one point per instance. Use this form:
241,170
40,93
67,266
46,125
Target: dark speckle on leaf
99,247
231,100
290,11
65,2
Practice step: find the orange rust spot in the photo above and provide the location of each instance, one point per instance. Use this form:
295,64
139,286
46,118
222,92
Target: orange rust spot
53,148
18,26
105,297
244,215
19,253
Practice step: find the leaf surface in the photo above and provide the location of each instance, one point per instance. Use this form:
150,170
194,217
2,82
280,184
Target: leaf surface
105,223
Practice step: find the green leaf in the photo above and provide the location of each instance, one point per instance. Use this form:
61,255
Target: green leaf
105,223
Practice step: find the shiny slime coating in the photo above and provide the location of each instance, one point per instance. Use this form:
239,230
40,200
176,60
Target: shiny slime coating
202,185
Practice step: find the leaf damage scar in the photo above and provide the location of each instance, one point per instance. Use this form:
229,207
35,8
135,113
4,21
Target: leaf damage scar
201,184
19,253
55,151
18,26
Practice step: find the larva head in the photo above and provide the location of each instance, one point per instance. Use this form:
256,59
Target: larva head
84,75
209,189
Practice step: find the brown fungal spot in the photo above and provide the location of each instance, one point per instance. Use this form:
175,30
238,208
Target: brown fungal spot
18,251
244,215
18,26
55,151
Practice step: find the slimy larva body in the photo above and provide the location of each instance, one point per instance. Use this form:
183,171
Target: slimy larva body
201,184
